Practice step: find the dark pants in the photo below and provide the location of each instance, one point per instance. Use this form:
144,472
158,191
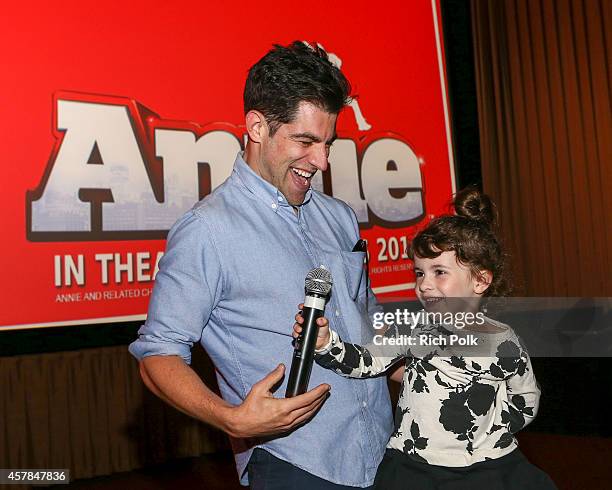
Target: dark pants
510,472
267,472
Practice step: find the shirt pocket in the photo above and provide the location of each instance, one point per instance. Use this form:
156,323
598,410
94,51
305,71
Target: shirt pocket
352,263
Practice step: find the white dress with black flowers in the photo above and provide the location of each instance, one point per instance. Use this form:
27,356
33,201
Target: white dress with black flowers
454,410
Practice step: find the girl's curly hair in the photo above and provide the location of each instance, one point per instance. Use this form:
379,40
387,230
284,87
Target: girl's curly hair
471,235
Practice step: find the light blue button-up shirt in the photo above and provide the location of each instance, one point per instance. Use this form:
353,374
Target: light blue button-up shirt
232,277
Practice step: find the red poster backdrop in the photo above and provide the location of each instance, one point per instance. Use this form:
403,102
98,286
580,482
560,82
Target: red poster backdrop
118,116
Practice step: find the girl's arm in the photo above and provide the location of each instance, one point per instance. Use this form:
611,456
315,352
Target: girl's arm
352,360
356,361
523,395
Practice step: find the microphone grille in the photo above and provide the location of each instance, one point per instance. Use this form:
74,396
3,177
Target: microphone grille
319,281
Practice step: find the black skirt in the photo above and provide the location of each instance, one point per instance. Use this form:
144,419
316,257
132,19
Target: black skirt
510,472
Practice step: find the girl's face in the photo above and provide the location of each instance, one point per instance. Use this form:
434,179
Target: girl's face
444,277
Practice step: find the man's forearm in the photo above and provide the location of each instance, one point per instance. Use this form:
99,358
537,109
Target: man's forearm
172,380
260,413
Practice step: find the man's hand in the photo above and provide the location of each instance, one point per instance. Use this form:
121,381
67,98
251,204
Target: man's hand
322,332
398,373
260,414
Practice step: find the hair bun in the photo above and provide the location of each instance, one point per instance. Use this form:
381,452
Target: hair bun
471,203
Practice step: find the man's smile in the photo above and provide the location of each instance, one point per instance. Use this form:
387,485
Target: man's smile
302,177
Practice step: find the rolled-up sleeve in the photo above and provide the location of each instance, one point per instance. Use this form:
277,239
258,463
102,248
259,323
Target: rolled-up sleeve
187,288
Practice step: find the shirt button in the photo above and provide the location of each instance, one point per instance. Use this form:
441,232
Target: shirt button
337,312
274,205
365,404
280,199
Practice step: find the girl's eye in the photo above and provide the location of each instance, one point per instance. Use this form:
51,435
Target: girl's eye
439,272
418,274
305,143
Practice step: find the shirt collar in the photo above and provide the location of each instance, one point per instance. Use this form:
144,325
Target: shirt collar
262,188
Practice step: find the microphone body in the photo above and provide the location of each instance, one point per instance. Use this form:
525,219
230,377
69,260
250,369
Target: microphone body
303,355
318,284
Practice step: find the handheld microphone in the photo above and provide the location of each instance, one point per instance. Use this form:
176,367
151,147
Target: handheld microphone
318,286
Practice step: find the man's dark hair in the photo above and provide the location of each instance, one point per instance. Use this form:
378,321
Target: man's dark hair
288,75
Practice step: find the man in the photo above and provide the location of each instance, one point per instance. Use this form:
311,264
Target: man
233,275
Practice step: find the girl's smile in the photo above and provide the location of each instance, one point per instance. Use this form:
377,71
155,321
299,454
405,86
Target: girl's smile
445,277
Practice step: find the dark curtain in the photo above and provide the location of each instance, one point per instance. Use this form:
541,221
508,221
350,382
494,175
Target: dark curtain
89,411
543,84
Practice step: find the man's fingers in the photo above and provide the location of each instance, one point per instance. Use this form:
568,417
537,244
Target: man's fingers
301,420
307,416
306,413
300,401
309,408
270,380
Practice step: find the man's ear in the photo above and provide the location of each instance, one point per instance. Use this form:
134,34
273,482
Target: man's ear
256,126
482,281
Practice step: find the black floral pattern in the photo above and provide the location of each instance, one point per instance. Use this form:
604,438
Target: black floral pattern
480,398
451,405
455,416
415,442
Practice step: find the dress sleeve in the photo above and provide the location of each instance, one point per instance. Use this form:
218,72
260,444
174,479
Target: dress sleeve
356,361
523,395
187,288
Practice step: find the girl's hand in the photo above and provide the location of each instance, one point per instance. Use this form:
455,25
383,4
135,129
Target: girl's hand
322,333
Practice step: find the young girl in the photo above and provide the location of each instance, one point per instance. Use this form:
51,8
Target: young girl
459,406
